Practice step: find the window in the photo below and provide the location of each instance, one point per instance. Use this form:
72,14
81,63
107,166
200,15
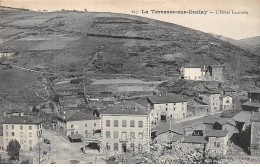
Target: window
95,124
12,127
107,123
140,135
6,133
166,109
171,115
21,134
115,134
76,132
124,123
30,148
86,131
115,123
21,127
30,142
107,134
12,133
140,147
132,123
140,124
216,144
30,127
124,135
71,126
115,146
132,135
30,134
6,126
86,125
72,133
227,101
21,142
132,146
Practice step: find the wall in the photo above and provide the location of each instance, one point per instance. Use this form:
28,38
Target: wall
192,73
255,139
227,103
79,127
198,110
1,144
145,130
22,136
223,147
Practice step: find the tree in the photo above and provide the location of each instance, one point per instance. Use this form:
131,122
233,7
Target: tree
13,150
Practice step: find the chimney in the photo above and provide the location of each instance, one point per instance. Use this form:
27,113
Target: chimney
122,107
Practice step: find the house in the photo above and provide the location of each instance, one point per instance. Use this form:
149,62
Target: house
197,107
212,98
167,107
165,132
76,125
14,112
226,102
255,135
226,124
6,54
216,72
209,122
198,140
191,72
190,126
229,113
242,120
26,130
212,86
126,126
253,103
218,141
227,91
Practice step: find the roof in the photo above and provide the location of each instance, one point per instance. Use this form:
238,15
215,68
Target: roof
208,120
212,85
127,108
213,92
166,99
229,113
251,104
256,117
256,91
192,66
21,120
225,121
228,89
77,116
176,138
168,126
193,122
216,66
216,133
195,139
14,111
243,116
75,136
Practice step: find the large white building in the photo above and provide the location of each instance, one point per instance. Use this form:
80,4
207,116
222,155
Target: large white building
191,72
26,130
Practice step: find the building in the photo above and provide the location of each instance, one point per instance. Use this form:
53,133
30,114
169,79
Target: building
216,72
167,107
226,102
126,126
218,141
76,125
14,112
253,103
165,132
212,98
26,130
1,139
191,72
255,135
242,120
193,125
226,124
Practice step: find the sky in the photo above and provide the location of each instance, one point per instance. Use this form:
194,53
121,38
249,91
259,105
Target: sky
236,26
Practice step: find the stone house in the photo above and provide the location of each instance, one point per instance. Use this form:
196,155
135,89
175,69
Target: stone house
197,107
212,98
253,103
216,72
218,141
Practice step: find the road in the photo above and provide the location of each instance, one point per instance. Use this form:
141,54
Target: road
62,151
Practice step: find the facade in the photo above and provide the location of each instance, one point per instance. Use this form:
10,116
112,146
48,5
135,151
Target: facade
126,127
255,135
26,130
212,98
216,72
167,107
226,102
218,141
226,124
197,107
77,125
191,72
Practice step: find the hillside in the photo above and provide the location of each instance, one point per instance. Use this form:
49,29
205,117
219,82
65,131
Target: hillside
88,43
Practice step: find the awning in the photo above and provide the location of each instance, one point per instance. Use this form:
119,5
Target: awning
75,137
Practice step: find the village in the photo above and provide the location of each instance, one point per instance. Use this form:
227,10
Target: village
90,119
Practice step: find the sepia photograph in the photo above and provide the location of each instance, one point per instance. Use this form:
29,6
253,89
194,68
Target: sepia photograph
129,82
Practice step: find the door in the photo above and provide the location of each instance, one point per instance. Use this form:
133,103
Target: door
124,147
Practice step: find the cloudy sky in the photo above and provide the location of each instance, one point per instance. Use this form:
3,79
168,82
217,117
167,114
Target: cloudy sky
233,26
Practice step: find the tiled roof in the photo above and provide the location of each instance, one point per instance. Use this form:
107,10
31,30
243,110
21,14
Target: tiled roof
21,120
166,99
243,116
229,113
168,126
251,104
193,122
191,66
208,120
77,116
15,111
216,66
216,133
75,136
228,89
195,139
176,138
225,121
127,108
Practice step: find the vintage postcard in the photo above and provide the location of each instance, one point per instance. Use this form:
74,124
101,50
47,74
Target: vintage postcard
129,82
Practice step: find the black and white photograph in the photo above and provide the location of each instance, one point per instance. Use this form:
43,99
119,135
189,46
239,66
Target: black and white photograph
129,82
